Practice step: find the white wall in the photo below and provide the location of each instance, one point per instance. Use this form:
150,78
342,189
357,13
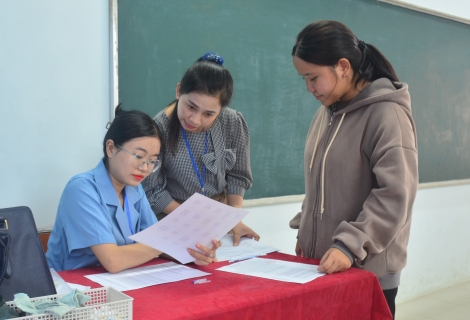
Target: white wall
54,98
439,254
438,251
458,8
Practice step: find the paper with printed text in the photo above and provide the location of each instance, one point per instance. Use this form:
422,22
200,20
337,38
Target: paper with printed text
275,270
142,277
198,220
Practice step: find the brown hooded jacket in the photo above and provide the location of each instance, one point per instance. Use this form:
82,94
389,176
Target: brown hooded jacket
361,178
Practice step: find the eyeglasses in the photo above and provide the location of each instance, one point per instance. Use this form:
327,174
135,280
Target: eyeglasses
139,161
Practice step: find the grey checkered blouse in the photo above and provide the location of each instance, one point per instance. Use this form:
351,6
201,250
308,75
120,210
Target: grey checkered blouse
227,162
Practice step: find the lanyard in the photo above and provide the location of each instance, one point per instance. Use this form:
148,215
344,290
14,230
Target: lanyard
129,219
201,179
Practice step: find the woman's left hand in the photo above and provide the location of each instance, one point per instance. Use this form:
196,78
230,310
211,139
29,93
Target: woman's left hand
242,230
334,260
207,255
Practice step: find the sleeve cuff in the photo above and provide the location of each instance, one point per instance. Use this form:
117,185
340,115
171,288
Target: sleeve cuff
235,189
162,202
295,222
341,246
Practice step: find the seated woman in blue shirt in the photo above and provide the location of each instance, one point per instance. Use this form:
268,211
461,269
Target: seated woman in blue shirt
100,208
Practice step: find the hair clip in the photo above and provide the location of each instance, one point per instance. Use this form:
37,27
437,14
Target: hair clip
108,125
361,45
213,57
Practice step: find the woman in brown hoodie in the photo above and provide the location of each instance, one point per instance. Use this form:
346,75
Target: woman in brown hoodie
361,160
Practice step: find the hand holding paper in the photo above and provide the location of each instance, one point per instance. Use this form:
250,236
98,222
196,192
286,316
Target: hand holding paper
204,255
198,220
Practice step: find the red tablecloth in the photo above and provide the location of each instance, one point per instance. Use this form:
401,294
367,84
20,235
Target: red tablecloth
353,294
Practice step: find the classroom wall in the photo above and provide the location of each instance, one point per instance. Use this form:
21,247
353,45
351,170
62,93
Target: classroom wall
54,102
456,8
54,98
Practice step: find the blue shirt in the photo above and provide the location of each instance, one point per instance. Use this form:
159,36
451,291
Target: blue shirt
89,214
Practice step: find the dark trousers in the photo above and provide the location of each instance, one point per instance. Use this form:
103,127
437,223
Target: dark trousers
390,296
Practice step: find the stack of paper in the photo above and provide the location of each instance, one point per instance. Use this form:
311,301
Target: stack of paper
146,276
275,270
247,248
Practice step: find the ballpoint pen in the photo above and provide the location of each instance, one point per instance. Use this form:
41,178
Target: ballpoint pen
243,258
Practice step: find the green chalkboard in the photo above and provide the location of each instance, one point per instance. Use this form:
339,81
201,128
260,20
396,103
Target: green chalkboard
159,39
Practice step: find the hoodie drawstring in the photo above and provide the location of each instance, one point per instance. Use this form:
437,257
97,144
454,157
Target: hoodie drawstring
323,168
316,144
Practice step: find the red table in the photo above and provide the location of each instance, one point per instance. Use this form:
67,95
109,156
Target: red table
353,294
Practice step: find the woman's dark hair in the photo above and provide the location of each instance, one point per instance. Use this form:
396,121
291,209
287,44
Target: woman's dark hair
206,76
128,125
324,42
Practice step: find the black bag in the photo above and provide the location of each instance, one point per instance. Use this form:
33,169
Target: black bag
23,265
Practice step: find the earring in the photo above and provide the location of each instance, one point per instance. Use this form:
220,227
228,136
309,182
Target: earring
344,76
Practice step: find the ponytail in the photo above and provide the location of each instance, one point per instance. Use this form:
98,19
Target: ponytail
374,66
325,42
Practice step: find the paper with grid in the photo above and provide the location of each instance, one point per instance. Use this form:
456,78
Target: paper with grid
198,220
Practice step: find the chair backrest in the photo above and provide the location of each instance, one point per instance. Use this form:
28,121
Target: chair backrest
44,237
30,272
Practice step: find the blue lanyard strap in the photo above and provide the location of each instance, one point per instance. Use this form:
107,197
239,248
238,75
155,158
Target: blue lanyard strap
201,179
129,219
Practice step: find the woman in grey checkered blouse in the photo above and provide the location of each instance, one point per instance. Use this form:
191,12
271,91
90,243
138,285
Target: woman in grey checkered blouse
206,145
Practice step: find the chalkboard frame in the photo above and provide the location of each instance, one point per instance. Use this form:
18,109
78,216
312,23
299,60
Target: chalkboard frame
426,10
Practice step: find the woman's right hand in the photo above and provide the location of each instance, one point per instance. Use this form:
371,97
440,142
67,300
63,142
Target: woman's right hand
242,230
207,255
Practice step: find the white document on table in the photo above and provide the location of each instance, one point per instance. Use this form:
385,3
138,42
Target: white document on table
275,270
146,276
198,220
247,248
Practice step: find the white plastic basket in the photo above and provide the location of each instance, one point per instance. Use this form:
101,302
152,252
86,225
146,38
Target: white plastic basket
105,304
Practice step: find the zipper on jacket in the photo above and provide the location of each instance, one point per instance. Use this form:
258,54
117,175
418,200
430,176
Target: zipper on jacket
332,113
315,207
327,138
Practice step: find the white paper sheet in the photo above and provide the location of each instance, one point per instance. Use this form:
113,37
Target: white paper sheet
275,270
198,220
61,286
247,248
146,276
78,287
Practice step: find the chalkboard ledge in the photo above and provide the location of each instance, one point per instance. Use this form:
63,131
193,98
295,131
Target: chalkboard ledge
274,200
439,184
300,197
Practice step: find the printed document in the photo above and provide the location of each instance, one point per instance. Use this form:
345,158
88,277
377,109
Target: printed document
198,220
247,248
275,270
142,277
